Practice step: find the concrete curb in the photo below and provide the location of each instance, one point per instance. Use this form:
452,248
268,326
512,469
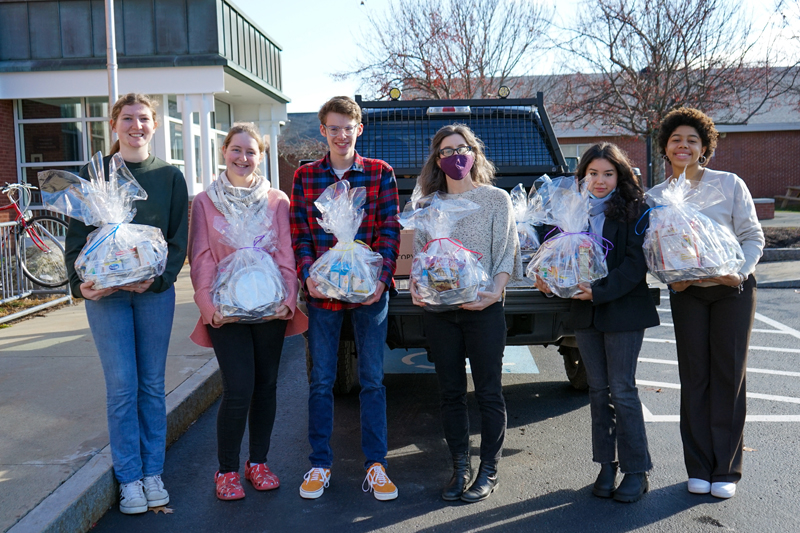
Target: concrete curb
788,284
780,254
85,497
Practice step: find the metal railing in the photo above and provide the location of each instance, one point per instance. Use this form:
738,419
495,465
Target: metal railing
13,283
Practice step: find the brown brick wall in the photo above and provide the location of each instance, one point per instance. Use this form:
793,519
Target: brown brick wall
8,156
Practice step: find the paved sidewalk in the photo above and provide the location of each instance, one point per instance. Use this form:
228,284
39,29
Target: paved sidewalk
53,430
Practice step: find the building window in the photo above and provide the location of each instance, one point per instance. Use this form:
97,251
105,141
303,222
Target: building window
60,133
572,154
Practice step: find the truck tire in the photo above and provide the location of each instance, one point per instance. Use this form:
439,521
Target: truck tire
346,367
573,364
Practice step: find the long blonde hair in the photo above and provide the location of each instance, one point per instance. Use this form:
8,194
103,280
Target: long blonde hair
432,178
130,99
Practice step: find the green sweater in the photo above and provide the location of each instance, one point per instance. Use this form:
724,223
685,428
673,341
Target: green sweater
166,207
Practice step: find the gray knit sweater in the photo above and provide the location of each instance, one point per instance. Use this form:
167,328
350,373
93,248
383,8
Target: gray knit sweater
491,231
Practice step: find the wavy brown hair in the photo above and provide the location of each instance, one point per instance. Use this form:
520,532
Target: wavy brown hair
432,178
688,116
627,201
131,99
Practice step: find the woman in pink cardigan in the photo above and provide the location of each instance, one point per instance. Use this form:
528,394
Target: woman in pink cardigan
248,352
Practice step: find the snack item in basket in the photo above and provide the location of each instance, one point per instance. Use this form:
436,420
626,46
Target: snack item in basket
248,284
681,243
117,253
349,270
446,274
575,255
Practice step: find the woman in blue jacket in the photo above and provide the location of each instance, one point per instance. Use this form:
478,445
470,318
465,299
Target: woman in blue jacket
609,317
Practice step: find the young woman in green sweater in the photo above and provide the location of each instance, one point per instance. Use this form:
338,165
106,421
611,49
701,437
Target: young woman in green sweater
131,325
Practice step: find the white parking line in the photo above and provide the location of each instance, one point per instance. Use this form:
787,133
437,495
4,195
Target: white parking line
753,370
754,330
777,325
755,395
764,348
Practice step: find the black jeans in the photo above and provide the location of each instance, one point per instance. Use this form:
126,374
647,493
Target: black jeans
480,336
712,333
249,356
617,420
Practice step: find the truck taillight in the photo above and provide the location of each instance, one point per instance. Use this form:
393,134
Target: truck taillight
451,110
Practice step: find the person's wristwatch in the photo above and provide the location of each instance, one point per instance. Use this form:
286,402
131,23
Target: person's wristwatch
742,278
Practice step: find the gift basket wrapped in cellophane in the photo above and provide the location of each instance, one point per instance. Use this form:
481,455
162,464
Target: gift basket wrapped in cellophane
680,242
528,213
116,253
248,284
574,255
446,274
349,271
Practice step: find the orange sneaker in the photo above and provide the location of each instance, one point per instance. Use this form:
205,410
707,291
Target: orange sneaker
261,476
315,482
379,483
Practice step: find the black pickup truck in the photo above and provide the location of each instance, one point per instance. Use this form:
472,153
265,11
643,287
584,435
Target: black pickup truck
519,140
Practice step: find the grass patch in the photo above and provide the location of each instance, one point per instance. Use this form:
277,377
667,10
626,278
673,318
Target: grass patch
15,306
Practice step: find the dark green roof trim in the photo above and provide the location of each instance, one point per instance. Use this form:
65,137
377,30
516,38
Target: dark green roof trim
257,83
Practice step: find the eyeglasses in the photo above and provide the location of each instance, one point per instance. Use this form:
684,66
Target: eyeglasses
333,131
461,150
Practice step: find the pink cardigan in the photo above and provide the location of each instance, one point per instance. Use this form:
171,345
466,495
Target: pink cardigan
206,251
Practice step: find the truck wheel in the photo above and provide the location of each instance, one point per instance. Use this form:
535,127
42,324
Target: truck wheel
346,367
573,364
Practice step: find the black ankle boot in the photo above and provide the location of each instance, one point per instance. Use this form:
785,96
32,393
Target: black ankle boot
484,484
462,473
632,487
606,480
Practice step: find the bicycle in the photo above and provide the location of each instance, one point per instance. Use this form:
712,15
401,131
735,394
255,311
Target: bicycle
39,239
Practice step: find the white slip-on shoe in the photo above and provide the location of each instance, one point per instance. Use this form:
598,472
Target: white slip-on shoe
131,498
723,489
155,492
698,486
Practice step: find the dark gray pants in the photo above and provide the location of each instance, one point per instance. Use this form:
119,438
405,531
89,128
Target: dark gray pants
617,420
480,336
712,331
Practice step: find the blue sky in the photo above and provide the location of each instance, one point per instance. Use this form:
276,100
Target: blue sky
319,37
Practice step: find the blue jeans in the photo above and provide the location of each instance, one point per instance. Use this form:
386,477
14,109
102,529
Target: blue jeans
131,332
617,419
369,326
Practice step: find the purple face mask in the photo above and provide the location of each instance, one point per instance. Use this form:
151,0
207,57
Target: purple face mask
457,166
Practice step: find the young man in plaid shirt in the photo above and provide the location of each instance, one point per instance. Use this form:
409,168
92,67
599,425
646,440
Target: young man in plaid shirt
340,124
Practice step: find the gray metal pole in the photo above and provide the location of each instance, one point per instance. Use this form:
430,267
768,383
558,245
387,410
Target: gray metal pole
111,54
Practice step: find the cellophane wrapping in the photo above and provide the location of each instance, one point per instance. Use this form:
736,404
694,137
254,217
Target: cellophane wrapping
528,213
116,253
681,243
446,274
349,271
573,256
248,284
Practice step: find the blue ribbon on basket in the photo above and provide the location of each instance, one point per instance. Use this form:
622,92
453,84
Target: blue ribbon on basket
636,227
98,243
604,243
256,246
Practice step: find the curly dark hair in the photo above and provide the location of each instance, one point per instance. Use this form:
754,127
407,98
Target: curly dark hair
688,116
626,203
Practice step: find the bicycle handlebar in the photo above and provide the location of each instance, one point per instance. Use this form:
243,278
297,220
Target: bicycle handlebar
24,188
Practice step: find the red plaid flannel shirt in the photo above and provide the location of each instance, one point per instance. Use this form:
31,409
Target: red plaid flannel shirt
379,229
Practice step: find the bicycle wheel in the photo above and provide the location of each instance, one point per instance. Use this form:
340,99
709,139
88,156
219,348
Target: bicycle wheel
40,249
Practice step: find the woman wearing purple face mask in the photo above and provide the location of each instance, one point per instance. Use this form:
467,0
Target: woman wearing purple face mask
457,166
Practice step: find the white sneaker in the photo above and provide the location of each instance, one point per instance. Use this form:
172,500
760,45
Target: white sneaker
699,486
723,489
155,492
131,498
